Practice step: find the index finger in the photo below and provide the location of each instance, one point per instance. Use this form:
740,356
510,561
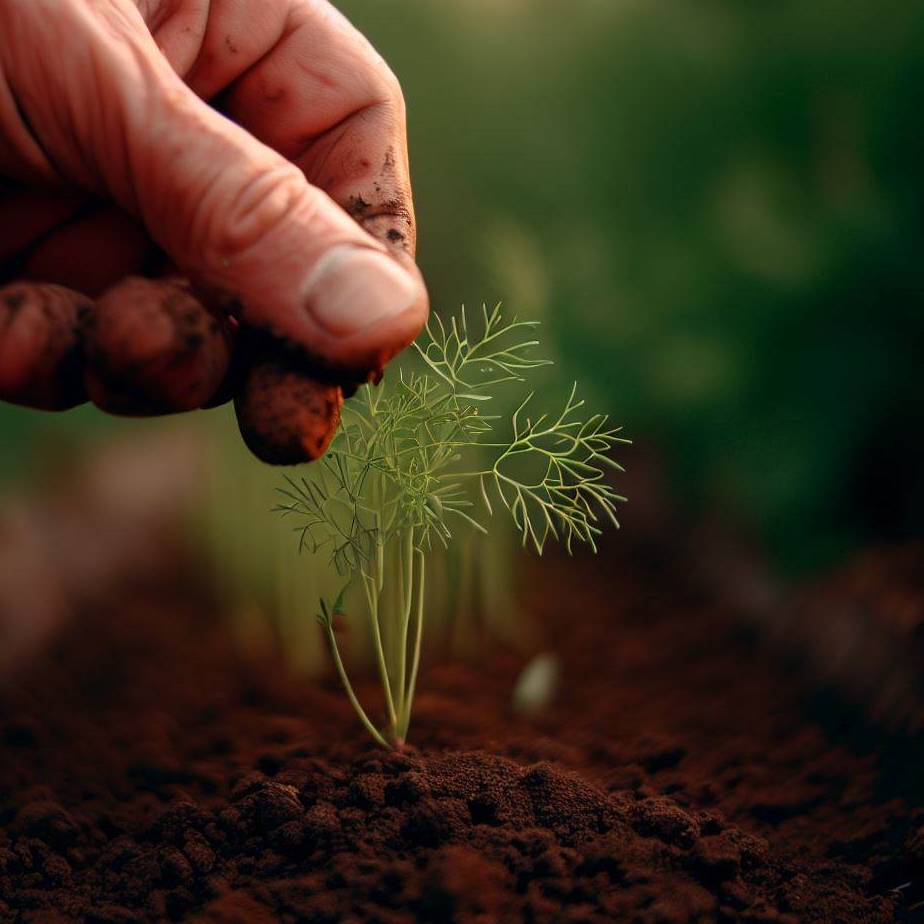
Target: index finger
304,81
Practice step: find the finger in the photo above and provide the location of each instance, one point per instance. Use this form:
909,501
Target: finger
305,82
348,136
235,216
91,252
292,74
40,357
152,347
325,99
285,415
27,215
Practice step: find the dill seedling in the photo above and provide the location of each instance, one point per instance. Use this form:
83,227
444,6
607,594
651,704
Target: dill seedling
418,457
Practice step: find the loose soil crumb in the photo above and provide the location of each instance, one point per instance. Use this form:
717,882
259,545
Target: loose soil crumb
150,773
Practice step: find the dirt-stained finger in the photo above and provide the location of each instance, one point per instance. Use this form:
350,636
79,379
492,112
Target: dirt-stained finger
41,364
153,347
27,215
286,416
91,251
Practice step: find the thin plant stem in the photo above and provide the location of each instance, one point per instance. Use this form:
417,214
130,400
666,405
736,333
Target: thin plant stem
419,589
379,546
394,625
357,708
372,597
407,598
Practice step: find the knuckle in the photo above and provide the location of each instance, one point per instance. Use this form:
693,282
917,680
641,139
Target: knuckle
259,207
387,86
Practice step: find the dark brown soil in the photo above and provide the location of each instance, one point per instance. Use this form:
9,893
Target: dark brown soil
150,773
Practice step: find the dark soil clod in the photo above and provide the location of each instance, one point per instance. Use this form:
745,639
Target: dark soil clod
677,781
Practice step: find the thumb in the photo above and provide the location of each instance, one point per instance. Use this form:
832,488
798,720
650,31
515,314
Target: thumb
241,221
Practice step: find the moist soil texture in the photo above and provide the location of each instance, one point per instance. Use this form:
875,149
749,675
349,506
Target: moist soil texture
151,770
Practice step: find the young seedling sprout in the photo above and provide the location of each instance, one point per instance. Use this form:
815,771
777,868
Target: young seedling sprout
418,457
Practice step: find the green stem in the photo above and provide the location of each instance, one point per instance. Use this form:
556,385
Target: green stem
370,585
415,662
341,670
379,546
406,601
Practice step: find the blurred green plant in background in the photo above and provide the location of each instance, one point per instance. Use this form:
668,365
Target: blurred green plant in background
718,211
719,208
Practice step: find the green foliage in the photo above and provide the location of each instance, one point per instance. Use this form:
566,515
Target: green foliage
418,460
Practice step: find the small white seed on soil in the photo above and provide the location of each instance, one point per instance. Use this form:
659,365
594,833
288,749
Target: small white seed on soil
537,685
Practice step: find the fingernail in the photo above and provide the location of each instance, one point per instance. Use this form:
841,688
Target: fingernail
353,288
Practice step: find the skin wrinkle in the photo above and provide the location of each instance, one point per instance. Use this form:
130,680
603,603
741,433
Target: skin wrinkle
156,12
180,32
161,210
257,209
341,129
161,101
19,133
385,200
355,77
112,120
54,118
372,84
157,95
211,56
107,176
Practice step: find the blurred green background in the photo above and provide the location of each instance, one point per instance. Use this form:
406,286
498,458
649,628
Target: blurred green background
718,211
718,208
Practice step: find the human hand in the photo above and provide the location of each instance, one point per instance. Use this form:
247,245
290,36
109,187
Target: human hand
201,199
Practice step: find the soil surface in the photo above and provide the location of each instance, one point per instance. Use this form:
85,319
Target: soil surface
151,772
